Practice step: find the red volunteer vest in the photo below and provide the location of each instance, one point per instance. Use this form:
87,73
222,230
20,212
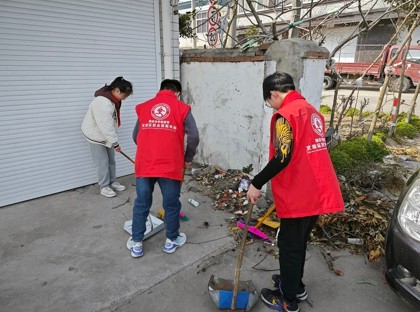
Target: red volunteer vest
160,140
308,185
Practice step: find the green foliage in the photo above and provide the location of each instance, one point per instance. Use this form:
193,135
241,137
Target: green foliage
379,136
402,116
415,121
341,161
384,116
404,129
251,31
357,152
324,109
247,169
379,140
185,29
352,112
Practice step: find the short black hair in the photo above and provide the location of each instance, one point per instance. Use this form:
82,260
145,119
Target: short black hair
171,84
279,81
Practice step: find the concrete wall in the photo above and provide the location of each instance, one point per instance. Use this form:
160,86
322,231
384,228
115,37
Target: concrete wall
305,61
224,88
227,103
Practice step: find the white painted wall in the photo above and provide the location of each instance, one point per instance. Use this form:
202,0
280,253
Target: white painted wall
227,101
228,106
311,81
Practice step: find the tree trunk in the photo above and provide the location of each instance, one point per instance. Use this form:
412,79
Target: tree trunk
296,5
231,33
413,102
386,81
397,109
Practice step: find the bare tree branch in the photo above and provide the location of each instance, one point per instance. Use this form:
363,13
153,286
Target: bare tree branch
360,29
257,18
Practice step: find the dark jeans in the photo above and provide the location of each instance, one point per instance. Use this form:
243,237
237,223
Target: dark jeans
292,240
171,190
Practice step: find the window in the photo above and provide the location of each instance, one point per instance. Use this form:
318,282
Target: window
413,56
202,24
259,5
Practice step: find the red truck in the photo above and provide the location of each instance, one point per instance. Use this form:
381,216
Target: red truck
376,74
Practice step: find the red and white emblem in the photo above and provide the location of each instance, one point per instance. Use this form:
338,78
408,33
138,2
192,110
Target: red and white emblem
161,111
317,125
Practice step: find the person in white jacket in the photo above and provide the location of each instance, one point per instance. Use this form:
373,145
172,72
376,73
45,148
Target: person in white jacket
100,129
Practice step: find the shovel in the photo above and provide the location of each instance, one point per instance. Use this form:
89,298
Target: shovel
254,229
240,295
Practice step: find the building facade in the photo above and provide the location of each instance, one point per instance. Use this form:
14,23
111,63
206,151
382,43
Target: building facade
54,55
322,26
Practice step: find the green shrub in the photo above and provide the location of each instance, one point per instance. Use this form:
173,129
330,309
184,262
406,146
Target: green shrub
379,137
352,112
415,121
341,161
324,109
402,116
356,153
384,116
404,129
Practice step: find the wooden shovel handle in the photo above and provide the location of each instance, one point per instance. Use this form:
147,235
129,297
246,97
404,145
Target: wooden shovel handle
240,258
269,211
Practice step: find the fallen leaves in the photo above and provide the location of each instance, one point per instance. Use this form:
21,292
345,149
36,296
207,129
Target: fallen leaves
370,197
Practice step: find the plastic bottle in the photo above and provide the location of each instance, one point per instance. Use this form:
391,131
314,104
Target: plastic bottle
193,202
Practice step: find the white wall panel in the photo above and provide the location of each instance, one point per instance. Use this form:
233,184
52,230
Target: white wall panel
53,56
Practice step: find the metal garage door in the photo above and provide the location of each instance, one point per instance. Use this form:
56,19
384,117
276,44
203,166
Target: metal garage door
53,55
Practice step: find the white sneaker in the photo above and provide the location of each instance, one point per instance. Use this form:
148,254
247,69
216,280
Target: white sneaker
116,186
136,248
108,192
171,246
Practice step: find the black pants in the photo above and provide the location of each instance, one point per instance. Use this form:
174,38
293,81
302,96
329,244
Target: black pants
292,240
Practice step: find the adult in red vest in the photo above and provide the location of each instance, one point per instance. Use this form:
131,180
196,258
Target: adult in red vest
303,182
161,157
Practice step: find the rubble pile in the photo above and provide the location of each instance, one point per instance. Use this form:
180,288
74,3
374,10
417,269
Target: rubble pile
226,187
361,227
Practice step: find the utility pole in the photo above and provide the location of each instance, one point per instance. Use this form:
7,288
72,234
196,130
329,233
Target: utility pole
296,5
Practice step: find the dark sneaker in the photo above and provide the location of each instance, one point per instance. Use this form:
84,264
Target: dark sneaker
274,300
301,295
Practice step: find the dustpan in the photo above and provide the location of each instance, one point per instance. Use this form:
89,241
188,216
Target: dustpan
153,225
235,295
221,292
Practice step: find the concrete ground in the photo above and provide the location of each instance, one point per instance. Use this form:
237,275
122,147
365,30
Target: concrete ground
371,95
66,252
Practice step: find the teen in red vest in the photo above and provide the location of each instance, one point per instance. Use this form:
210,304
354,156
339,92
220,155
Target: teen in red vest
303,182
161,157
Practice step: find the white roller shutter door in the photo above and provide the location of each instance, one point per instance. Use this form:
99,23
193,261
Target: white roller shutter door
53,56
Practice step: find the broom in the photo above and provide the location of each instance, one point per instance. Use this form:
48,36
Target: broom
254,229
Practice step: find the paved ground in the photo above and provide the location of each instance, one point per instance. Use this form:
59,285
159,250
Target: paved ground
66,252
371,94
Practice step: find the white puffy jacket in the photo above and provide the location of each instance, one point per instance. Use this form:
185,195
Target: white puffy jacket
100,123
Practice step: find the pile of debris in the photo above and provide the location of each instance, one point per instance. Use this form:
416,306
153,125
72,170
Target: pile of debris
361,227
